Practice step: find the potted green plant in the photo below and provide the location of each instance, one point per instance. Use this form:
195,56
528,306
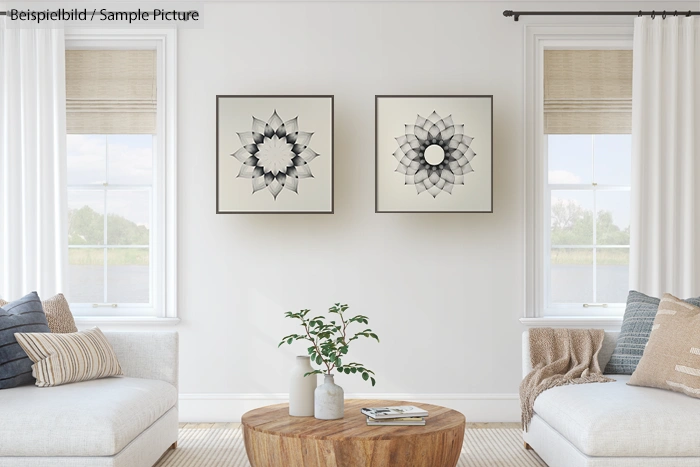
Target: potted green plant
330,342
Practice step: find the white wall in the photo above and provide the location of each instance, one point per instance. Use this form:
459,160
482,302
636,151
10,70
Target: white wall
443,291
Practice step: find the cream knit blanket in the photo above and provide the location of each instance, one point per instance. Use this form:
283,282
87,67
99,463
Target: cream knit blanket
560,357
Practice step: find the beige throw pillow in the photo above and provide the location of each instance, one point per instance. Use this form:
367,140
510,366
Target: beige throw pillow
68,358
671,359
57,312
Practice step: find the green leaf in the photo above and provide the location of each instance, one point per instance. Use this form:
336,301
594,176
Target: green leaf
289,341
346,370
365,376
354,370
319,360
373,381
337,361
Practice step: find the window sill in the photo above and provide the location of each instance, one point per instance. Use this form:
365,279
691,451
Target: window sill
609,323
82,321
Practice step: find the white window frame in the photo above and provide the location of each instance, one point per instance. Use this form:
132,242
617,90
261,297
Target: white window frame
539,38
163,247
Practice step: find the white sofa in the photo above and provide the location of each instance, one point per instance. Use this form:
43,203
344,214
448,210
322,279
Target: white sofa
613,424
125,421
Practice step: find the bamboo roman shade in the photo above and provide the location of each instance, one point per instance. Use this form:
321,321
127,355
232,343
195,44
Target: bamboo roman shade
587,91
111,91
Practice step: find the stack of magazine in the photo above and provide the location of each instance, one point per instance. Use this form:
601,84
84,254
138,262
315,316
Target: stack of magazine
403,415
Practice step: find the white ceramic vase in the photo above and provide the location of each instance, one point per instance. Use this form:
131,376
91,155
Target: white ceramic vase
301,388
329,400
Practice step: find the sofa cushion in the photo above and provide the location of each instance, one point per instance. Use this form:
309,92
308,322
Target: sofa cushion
69,357
672,357
614,419
634,335
91,418
58,314
23,315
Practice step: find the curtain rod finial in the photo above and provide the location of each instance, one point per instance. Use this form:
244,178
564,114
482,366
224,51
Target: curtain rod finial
509,13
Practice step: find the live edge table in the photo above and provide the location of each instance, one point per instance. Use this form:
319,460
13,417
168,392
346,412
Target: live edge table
274,439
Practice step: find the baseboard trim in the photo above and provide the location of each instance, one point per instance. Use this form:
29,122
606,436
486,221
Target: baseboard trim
229,407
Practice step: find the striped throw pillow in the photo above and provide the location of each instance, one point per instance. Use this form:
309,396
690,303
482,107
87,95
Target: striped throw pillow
23,315
69,358
671,359
58,313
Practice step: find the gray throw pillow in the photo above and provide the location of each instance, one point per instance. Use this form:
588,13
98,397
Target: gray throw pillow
23,315
636,326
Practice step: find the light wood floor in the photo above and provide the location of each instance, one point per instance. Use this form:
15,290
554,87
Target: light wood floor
204,426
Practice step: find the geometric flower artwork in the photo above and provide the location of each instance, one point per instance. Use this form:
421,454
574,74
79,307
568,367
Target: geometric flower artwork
274,154
436,154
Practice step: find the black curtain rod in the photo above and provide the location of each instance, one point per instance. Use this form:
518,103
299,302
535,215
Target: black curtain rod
517,14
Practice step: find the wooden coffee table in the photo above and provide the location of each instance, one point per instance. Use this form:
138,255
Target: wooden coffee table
274,439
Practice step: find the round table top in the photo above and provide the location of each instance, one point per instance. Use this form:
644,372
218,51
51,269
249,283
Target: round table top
275,419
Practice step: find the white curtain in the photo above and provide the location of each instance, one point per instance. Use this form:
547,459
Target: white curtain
33,230
665,222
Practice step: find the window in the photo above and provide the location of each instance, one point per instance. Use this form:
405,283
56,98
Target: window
110,219
120,174
589,217
578,172
587,149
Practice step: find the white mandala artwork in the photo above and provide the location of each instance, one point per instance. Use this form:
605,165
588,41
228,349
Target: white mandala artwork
434,154
275,155
444,148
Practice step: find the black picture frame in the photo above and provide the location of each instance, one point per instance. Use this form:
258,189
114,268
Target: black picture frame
331,97
376,151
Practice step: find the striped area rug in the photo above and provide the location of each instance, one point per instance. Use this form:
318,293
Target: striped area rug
219,447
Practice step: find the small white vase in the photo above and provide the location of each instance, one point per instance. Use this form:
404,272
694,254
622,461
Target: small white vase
301,388
329,400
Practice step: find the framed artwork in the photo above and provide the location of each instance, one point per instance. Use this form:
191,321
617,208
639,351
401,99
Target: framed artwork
434,153
274,154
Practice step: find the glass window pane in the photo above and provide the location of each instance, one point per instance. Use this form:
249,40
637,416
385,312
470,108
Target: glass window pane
128,275
128,218
86,159
613,156
570,159
612,275
613,218
571,217
571,275
130,159
86,217
86,275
